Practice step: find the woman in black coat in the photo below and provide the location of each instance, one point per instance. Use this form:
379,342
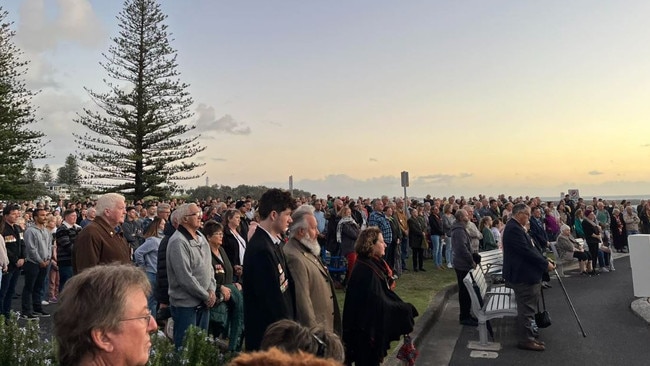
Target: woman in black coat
373,315
234,242
592,236
619,232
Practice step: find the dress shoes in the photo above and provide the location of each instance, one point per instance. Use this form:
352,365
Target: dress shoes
531,346
469,322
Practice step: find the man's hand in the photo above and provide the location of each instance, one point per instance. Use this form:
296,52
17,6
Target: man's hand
212,298
225,291
238,285
551,266
44,264
20,263
239,270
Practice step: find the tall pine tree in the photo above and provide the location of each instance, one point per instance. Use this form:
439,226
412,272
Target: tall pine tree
69,172
18,143
140,141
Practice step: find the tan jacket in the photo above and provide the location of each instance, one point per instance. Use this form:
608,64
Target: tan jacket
402,220
315,298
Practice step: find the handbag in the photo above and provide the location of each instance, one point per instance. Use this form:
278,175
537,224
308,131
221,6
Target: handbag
542,318
407,353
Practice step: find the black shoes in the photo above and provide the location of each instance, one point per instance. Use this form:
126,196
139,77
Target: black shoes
422,270
28,316
41,314
472,322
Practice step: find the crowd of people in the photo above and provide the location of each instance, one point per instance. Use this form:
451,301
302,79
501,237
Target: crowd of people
237,267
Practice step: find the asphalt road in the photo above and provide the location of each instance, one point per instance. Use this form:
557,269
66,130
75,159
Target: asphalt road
615,335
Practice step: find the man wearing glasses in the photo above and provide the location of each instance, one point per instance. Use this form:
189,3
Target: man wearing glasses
190,274
523,267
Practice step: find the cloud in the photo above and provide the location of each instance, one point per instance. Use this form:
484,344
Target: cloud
218,159
439,179
595,172
373,160
37,34
207,122
274,123
75,22
645,145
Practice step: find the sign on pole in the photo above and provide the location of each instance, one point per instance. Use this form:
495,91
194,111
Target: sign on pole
405,179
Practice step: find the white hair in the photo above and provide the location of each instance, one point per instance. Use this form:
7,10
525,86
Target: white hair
298,217
108,201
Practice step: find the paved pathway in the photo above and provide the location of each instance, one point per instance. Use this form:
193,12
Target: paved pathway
615,334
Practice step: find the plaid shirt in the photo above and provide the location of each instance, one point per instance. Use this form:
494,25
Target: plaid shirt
378,219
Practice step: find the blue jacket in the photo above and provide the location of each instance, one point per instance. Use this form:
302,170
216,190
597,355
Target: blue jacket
522,262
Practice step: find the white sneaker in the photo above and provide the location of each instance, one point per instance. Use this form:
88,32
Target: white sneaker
449,266
45,302
604,269
611,267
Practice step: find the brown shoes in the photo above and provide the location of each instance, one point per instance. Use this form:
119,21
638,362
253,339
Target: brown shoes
531,346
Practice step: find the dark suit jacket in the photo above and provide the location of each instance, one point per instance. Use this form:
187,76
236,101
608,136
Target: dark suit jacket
538,233
268,294
522,262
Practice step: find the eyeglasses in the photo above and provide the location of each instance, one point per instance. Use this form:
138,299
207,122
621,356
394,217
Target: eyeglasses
322,347
146,318
218,233
197,214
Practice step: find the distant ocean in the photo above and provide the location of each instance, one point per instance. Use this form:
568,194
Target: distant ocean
633,198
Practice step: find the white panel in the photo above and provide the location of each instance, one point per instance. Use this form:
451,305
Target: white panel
640,261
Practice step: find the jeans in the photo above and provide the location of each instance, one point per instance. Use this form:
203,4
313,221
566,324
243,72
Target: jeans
65,273
7,290
448,251
603,259
184,317
34,281
436,250
151,301
632,232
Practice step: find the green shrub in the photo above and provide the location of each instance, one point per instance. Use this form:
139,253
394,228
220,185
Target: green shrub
24,346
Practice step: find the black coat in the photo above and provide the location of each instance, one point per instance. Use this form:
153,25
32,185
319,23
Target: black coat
523,263
162,283
14,243
435,223
231,246
268,296
373,315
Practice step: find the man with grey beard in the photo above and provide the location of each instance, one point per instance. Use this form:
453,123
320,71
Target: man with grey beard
315,298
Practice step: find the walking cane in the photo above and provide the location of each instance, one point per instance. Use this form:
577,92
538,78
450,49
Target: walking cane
570,303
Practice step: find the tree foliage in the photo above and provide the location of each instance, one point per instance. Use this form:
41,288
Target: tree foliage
215,191
139,141
46,175
69,173
20,144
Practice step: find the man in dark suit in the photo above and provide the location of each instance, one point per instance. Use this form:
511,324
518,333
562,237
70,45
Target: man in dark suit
540,238
523,267
269,288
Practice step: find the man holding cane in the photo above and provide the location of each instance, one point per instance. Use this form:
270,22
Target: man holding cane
523,267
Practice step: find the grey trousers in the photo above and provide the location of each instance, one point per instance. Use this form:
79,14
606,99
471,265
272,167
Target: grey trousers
527,299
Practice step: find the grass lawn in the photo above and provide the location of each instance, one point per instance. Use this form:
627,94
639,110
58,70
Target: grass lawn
418,288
